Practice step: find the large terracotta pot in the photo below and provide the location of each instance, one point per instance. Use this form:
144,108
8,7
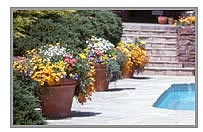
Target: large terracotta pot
101,81
129,73
56,100
162,20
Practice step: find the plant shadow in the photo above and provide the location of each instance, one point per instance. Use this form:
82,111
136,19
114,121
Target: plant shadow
83,114
140,78
119,89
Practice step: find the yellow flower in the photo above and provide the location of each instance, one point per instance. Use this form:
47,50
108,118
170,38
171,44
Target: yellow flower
57,79
50,45
143,42
57,44
82,56
86,50
70,74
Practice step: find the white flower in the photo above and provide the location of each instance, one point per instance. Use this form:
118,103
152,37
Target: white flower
99,44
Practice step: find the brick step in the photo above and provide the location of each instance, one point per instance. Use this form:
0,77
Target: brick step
151,38
170,64
150,32
147,26
169,71
158,42
163,58
160,45
161,51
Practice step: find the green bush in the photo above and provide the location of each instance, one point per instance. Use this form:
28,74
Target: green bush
46,31
71,30
25,102
107,24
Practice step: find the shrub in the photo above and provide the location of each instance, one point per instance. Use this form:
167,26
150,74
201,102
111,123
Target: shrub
107,24
46,31
69,29
25,102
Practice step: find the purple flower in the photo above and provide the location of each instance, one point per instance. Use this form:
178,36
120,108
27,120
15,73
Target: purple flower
65,75
75,77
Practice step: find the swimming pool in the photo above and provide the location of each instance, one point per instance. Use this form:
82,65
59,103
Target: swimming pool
178,97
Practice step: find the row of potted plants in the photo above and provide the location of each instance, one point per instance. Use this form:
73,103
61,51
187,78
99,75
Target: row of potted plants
61,73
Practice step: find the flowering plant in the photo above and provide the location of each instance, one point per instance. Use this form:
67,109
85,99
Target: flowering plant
127,64
98,50
185,21
49,64
139,58
101,51
135,53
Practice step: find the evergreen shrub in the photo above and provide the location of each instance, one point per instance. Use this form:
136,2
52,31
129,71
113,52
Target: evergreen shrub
69,29
25,102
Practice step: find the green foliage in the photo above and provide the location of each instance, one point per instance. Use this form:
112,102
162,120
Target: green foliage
114,65
37,28
24,19
25,102
106,23
121,58
113,70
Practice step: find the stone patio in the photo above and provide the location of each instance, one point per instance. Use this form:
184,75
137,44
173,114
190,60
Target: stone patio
129,102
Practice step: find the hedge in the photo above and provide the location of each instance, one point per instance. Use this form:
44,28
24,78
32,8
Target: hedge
71,30
25,102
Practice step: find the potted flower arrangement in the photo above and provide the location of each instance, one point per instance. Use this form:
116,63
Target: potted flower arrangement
98,52
162,20
136,57
127,66
59,75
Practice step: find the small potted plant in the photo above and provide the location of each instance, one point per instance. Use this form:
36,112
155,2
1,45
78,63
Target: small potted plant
59,75
98,52
162,20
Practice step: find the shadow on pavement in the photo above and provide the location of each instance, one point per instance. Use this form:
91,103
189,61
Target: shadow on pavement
119,89
83,114
140,78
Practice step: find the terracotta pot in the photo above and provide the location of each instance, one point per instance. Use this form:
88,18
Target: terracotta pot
56,100
128,74
162,20
101,81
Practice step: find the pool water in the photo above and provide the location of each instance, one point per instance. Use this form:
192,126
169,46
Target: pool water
178,97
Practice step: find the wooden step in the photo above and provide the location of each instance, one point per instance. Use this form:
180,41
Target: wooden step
169,71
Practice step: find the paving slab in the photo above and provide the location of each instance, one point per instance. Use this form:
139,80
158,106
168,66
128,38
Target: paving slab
130,102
